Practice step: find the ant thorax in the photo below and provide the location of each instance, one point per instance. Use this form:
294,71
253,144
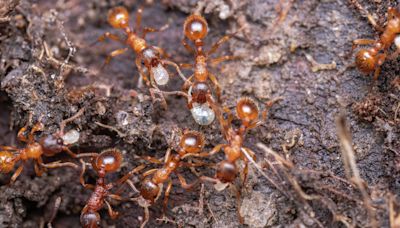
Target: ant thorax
151,59
201,111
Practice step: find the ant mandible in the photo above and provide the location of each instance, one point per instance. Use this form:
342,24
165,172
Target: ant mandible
104,163
195,29
370,60
118,18
191,143
48,145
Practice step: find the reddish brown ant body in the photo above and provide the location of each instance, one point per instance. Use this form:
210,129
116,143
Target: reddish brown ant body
106,162
118,18
48,145
370,60
191,143
248,113
195,29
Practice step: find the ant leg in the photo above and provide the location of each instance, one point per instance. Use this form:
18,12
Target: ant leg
216,61
238,203
215,150
166,197
16,174
142,74
185,185
381,59
151,159
176,67
37,127
187,46
114,54
362,42
156,91
82,179
8,148
149,172
217,44
138,19
185,65
187,83
146,216
37,165
113,214
21,133
147,30
216,84
70,119
107,35
126,176
66,149
369,16
59,164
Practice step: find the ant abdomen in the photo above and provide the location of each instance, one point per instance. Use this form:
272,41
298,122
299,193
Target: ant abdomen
199,107
51,145
151,59
7,162
365,61
226,171
90,219
149,190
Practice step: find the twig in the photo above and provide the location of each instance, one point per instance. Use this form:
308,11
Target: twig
350,165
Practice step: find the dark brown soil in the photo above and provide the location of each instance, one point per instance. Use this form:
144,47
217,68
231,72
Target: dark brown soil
298,59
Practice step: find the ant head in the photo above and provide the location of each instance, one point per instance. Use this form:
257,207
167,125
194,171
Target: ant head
108,160
199,92
226,171
149,190
118,17
247,110
90,219
366,60
195,27
51,144
192,142
7,162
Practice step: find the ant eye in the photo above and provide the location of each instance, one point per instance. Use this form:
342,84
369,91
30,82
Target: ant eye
192,142
118,17
195,27
247,109
109,160
60,141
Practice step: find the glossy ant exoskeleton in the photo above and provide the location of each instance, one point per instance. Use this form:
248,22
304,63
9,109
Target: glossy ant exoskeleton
248,113
48,145
195,29
370,60
191,143
104,163
118,18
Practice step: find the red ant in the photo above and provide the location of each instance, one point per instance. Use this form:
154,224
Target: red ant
104,163
248,112
118,18
191,143
48,145
369,60
195,29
